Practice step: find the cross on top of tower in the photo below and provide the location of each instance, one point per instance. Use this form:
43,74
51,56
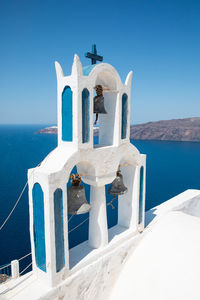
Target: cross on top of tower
93,55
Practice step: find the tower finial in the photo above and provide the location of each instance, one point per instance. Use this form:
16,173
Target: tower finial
59,71
128,79
77,66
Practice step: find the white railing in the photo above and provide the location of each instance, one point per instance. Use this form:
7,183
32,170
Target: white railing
11,271
5,273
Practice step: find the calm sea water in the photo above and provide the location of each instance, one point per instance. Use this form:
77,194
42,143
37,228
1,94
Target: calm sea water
172,167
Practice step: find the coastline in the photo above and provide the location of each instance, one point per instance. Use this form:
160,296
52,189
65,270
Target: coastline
180,130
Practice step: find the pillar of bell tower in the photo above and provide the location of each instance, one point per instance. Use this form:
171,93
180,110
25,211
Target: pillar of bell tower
98,227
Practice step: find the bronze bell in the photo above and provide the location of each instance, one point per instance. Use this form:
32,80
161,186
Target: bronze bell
117,186
99,105
77,203
99,102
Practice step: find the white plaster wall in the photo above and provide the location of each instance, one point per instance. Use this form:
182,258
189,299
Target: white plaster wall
95,280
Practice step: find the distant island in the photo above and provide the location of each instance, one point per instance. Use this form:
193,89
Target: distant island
168,130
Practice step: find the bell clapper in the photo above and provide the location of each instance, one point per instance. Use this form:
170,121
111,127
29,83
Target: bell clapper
110,203
96,119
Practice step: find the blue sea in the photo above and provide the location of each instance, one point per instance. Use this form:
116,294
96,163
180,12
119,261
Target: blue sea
172,167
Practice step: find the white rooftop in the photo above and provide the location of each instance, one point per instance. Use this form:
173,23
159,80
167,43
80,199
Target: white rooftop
166,263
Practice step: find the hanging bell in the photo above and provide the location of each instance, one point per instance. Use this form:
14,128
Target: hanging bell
117,186
77,203
99,105
99,101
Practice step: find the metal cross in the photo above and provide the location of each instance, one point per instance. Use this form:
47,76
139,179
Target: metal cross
93,55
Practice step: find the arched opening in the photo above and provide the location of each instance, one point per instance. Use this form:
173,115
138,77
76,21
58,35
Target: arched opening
67,114
39,226
124,116
126,215
106,121
113,204
59,231
128,201
112,208
141,204
85,116
78,224
95,125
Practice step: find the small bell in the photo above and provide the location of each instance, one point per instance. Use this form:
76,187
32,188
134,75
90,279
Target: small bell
99,102
77,203
117,186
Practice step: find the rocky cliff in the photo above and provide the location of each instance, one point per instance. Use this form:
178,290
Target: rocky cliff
169,130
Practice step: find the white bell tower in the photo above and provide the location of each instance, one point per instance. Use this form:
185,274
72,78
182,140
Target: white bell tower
98,164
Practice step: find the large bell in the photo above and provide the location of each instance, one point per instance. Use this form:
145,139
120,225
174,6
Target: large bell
117,186
99,105
77,203
99,101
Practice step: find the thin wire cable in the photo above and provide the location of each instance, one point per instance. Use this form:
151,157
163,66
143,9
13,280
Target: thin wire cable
15,205
109,203
25,268
5,266
24,256
70,218
8,217
78,225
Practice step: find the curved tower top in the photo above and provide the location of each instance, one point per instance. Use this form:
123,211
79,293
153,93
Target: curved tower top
75,105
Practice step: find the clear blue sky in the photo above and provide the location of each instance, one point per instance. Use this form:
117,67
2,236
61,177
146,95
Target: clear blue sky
158,40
